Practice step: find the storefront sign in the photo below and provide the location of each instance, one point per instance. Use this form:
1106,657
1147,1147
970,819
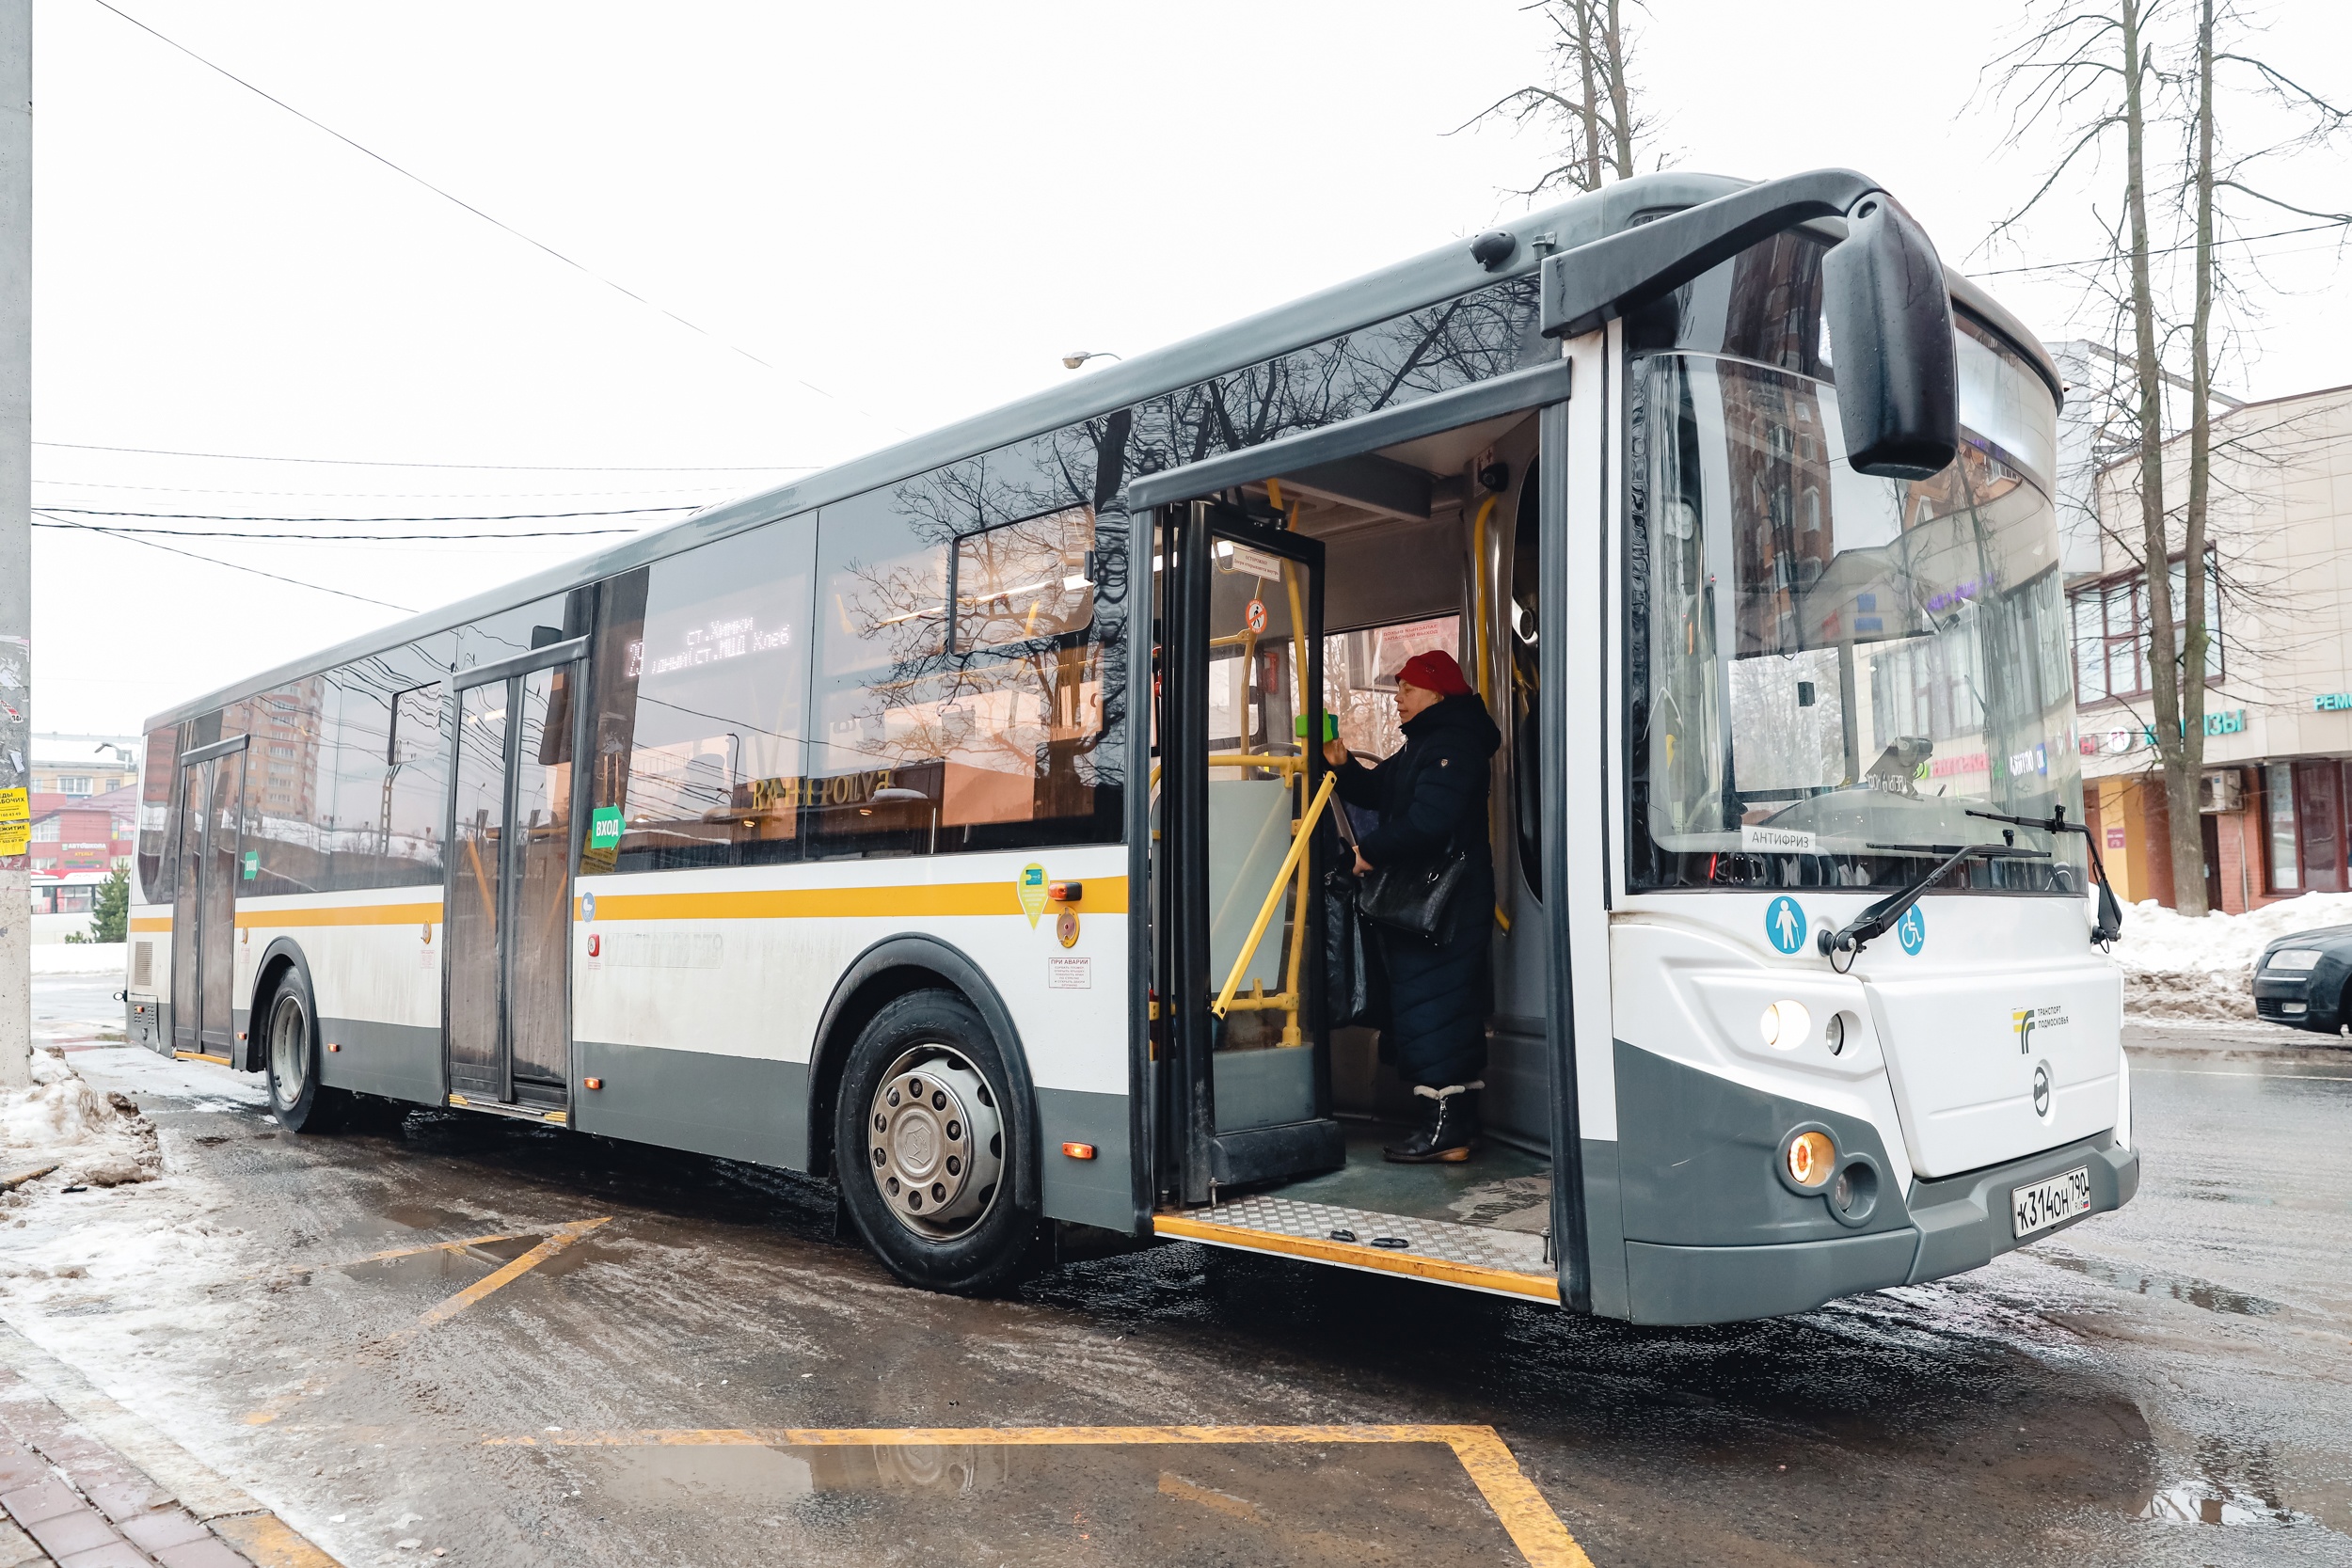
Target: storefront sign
2332,702
2232,722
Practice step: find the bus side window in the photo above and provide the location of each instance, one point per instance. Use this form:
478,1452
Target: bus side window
701,674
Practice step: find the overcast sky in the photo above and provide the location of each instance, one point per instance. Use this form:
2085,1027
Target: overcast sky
909,212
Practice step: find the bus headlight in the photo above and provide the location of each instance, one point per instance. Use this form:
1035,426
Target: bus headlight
1810,1157
1786,1025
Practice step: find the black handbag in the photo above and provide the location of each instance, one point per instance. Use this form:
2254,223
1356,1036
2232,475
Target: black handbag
1355,987
1416,901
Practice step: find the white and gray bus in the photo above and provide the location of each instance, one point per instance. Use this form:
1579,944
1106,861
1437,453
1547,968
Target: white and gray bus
949,824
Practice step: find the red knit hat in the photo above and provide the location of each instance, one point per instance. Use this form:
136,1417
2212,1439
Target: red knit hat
1435,672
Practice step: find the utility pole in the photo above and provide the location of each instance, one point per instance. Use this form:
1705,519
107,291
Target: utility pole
16,542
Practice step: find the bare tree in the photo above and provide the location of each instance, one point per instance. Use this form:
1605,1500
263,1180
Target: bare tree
2097,71
1589,99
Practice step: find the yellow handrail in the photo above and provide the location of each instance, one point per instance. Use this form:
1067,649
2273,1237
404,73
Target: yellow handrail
1274,897
1478,592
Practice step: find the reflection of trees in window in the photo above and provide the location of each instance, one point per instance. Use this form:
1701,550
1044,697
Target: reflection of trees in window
1473,338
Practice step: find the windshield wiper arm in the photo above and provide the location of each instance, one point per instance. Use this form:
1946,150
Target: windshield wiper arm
2110,923
1880,918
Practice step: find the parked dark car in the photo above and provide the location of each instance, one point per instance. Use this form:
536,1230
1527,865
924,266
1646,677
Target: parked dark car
2300,979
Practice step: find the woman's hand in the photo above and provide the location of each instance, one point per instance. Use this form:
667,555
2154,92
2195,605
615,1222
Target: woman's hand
1363,867
1335,752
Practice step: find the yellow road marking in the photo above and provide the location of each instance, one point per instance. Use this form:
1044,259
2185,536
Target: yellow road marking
1443,1270
1534,1528
396,1251
559,1238
564,1236
271,1543
202,1057
1174,1485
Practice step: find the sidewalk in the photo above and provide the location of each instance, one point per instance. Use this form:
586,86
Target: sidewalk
74,1500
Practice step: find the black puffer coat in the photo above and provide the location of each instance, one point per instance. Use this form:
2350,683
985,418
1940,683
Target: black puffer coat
1432,797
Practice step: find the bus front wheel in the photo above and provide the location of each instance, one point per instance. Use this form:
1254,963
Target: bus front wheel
924,1147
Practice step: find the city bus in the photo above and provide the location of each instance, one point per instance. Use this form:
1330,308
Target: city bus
951,824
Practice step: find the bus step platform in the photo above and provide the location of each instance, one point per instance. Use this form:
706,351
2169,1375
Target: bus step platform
553,1115
1474,1256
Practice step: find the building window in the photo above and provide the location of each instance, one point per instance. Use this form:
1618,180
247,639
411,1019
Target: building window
74,783
2110,621
2279,812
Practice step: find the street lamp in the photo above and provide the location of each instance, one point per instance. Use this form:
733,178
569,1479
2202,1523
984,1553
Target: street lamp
1072,362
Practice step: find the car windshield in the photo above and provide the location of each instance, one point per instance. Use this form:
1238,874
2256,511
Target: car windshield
1827,670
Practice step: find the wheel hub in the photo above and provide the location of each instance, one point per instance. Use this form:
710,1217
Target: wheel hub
289,1050
934,1143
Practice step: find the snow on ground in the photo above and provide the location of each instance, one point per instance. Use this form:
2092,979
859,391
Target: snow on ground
79,957
96,1139
2177,967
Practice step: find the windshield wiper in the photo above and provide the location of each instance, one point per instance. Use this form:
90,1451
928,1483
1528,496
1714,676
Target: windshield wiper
2110,923
1880,918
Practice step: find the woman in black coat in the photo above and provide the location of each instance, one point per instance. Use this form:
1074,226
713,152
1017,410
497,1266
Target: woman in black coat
1432,800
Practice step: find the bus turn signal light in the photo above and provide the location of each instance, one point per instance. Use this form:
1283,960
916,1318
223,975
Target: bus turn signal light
1065,893
1078,1151
591,1083
1810,1156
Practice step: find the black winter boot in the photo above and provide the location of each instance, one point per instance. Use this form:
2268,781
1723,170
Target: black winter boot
1451,1131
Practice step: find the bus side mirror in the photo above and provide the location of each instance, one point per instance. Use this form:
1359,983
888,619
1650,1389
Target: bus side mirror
1889,313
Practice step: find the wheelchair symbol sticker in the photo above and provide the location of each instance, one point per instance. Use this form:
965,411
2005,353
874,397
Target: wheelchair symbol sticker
1783,923
1911,930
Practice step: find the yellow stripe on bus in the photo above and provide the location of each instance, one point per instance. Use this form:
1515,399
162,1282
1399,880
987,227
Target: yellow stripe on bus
345,914
1102,895
151,923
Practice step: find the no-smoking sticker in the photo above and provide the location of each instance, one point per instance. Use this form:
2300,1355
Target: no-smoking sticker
1254,617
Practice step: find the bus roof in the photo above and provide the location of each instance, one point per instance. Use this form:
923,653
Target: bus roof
1424,280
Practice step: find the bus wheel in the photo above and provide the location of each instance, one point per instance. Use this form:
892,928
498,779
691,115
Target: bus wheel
924,1147
290,1042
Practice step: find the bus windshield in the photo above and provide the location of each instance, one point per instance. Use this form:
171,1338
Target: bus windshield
1828,669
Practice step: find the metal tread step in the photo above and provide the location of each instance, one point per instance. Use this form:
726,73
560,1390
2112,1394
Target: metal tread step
1475,1257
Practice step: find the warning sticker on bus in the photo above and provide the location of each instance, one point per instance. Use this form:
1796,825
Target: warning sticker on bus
1070,974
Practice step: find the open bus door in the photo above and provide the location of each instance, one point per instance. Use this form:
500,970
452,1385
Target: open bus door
1244,1075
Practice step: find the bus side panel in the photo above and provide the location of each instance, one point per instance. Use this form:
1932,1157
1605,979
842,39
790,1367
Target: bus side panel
698,995
375,961
147,984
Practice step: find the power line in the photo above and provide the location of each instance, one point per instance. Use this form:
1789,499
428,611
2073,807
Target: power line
482,517
340,538
419,179
2160,250
485,468
213,560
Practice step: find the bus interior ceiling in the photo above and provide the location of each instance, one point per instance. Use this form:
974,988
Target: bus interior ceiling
1419,542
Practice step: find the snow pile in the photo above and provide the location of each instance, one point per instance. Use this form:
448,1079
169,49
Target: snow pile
2177,967
80,957
98,1140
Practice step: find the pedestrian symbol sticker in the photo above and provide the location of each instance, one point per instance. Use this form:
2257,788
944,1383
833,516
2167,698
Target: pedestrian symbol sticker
1783,923
252,864
1912,929
1254,617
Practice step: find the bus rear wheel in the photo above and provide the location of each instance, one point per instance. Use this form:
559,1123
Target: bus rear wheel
925,1146
290,1045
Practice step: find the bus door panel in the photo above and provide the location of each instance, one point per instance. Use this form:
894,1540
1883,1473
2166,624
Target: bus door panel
508,900
1249,1082
204,900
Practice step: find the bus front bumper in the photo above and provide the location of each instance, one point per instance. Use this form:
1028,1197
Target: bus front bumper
1957,1222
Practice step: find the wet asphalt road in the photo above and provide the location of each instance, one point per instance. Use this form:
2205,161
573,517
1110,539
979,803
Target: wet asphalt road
2172,1384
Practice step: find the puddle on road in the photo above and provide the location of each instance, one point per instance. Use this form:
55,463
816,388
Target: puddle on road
2199,1504
1337,1504
2197,1292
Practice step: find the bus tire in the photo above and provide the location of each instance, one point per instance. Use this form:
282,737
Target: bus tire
290,1054
925,1146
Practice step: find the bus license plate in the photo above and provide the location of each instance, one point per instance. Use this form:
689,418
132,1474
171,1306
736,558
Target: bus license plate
2048,1203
